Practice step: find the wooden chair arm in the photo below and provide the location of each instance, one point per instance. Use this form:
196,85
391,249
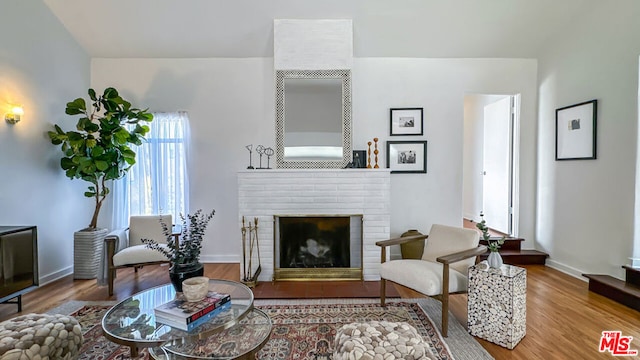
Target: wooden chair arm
455,257
396,241
400,240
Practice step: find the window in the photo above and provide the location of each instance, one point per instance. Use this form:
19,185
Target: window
158,182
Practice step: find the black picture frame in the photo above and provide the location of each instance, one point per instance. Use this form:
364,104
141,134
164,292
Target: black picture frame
406,121
576,131
359,159
407,156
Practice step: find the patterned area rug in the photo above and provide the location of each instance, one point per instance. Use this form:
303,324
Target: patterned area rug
305,329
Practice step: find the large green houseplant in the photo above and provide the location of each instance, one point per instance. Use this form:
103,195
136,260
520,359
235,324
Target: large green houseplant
99,149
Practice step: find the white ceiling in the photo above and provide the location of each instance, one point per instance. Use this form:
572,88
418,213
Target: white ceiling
381,28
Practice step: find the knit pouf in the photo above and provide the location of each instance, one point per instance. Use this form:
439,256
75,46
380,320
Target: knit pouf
380,340
40,336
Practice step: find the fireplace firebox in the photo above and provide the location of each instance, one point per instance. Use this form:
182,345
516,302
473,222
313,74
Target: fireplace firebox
318,247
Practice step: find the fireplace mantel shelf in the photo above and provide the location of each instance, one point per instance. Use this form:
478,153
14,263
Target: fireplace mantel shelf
358,170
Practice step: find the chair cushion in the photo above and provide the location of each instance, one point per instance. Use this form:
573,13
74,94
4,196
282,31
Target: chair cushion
148,227
422,276
138,254
445,240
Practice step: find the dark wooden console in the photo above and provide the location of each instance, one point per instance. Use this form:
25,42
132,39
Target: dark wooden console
18,263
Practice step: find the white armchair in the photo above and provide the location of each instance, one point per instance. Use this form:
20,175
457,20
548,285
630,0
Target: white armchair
124,247
448,253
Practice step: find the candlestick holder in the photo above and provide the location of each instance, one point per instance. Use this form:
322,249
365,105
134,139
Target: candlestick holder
375,140
250,148
369,155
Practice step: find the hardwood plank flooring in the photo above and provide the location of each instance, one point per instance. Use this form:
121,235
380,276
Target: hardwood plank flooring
564,319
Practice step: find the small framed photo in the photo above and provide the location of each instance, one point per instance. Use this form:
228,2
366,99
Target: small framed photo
576,131
407,156
359,159
405,121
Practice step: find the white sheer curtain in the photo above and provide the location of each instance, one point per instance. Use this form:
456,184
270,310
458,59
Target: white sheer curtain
158,182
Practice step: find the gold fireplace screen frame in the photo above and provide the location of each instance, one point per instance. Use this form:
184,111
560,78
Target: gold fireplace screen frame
318,274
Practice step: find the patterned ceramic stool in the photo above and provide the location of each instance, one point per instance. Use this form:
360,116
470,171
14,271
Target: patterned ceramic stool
375,340
40,336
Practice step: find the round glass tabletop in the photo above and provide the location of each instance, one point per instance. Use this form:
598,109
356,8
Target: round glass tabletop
132,321
242,341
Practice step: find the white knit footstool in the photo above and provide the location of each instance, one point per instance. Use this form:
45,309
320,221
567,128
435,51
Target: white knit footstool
40,336
380,340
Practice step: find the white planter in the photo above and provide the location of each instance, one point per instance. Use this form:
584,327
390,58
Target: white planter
494,260
87,250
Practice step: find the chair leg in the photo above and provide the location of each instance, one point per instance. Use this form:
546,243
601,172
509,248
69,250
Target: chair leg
383,291
111,274
445,299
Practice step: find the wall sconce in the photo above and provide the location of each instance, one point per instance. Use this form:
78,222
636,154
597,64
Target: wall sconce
15,114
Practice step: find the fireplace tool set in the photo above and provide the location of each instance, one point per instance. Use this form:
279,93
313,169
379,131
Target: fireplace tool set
250,250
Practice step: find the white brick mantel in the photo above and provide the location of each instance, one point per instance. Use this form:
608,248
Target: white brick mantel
265,193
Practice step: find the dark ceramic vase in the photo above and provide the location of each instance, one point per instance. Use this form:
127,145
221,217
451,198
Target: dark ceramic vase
414,249
180,272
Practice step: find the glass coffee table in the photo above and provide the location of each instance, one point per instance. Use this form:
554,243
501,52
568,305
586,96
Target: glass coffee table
239,342
132,322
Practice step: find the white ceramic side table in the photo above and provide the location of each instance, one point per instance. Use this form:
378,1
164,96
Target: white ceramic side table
497,305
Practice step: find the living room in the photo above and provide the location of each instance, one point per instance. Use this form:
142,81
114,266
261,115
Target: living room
579,212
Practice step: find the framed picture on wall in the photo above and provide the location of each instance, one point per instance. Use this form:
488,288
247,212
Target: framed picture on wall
576,131
405,121
407,156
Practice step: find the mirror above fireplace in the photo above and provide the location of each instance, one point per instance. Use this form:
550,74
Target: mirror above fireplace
313,118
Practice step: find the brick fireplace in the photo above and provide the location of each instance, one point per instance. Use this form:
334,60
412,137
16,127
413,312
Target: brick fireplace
264,194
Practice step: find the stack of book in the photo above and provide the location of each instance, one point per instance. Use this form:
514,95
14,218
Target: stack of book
184,315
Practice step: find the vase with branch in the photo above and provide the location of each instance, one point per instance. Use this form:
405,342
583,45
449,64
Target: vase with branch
494,259
184,251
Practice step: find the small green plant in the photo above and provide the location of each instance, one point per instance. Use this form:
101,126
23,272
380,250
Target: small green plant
185,250
492,244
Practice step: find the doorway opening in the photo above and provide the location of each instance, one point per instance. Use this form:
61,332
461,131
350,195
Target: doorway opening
490,160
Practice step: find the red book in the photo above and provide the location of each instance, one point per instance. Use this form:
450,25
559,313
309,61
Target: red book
182,311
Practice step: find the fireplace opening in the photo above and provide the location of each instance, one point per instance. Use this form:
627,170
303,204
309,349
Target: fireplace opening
319,247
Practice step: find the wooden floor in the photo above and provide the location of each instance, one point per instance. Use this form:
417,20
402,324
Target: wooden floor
564,320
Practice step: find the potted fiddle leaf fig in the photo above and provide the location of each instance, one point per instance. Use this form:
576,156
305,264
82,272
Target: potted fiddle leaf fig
97,151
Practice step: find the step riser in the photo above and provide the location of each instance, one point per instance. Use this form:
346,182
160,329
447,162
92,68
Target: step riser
614,294
521,259
632,276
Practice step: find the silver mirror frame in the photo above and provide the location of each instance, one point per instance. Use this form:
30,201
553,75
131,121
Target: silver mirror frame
345,76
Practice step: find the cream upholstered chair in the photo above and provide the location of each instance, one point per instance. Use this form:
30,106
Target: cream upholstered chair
125,248
448,253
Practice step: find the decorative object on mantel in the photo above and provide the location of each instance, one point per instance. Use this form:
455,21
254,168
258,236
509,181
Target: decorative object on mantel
98,150
260,151
494,259
369,155
358,159
269,152
250,148
249,244
184,253
375,140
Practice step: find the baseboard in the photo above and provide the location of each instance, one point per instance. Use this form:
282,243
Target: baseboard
566,269
44,280
223,259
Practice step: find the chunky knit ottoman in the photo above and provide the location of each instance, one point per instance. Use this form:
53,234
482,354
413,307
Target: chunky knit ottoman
380,340
40,336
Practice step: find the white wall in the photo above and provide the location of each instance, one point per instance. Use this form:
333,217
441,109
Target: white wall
231,104
586,208
473,153
42,68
